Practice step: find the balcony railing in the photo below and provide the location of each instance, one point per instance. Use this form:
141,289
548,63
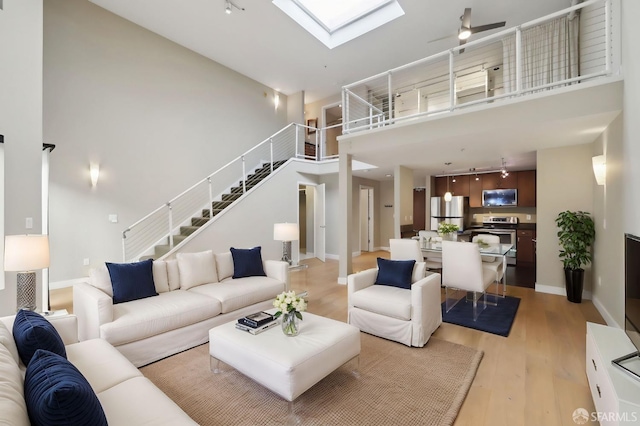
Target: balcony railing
568,47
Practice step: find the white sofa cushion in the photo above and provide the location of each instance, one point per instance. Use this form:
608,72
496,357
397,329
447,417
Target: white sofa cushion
13,410
224,264
160,278
6,340
173,274
236,294
99,278
196,269
138,402
101,364
139,319
381,299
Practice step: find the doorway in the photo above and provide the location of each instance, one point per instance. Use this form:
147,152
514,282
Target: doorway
311,221
366,218
332,128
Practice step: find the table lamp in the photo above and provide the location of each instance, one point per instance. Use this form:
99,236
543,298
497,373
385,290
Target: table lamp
24,254
286,232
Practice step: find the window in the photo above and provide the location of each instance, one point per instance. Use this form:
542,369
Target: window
335,22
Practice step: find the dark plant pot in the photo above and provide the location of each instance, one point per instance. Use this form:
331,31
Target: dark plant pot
574,280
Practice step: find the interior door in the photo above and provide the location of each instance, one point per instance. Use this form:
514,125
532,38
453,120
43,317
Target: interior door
319,223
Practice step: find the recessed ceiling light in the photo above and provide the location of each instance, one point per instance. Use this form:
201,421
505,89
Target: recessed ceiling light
388,175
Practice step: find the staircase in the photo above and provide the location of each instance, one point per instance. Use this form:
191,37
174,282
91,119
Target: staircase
217,207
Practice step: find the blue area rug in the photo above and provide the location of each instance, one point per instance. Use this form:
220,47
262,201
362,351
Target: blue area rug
495,319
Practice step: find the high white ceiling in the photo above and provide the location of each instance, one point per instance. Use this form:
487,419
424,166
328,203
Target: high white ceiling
263,43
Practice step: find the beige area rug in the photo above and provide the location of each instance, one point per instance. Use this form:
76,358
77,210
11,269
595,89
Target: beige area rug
396,385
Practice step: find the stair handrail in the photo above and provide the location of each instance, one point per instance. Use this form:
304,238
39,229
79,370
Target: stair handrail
208,178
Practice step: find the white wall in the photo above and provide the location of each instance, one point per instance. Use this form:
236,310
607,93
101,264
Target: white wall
275,198
608,250
386,213
156,117
21,124
564,182
403,198
631,125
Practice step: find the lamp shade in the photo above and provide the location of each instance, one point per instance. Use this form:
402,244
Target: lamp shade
599,169
286,232
26,252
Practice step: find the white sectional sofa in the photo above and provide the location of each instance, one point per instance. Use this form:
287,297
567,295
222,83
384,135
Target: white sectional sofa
192,298
126,396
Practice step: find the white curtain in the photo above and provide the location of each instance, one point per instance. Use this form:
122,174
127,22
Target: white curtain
550,53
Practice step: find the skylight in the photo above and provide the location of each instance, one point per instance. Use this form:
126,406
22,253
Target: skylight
335,22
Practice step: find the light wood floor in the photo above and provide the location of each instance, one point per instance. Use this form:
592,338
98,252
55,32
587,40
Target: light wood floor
536,376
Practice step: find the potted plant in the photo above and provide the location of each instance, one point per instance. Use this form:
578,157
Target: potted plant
576,235
448,230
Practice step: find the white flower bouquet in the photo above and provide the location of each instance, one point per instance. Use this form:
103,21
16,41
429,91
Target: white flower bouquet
289,307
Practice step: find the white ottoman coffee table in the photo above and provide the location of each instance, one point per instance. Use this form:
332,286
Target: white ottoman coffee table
286,365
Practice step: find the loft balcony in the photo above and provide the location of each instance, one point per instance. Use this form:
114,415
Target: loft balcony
570,49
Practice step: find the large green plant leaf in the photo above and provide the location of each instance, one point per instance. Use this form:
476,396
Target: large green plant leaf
576,235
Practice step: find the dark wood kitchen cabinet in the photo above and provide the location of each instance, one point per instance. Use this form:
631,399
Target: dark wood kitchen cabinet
496,181
475,191
460,186
527,188
440,187
525,249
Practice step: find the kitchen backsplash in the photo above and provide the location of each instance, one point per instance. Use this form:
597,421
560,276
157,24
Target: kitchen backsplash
524,214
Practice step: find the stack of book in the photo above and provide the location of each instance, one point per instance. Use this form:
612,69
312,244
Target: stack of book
256,323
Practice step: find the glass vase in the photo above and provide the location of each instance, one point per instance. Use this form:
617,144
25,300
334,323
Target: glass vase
290,324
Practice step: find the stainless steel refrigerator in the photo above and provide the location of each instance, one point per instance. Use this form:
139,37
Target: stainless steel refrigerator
454,211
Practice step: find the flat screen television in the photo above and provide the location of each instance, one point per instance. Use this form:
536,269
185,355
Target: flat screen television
631,300
499,197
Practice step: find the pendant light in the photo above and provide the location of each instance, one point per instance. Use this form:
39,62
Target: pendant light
447,195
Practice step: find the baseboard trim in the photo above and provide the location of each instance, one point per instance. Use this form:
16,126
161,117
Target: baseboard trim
331,256
342,280
560,291
56,285
605,313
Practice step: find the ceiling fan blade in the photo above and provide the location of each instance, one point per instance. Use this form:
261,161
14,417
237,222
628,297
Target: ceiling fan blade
443,38
466,18
487,27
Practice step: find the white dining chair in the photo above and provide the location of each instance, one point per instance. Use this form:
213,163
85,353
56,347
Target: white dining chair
463,274
433,260
495,263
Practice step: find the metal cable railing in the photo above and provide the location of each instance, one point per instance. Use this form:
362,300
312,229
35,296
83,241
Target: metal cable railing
201,202
568,47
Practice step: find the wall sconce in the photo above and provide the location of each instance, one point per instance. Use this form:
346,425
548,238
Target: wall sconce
599,168
276,100
94,172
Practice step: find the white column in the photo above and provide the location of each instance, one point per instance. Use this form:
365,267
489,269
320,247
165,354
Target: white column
345,192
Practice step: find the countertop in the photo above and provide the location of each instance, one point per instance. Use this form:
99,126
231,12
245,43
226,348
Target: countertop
521,226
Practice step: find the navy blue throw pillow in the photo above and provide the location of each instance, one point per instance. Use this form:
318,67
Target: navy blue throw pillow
132,281
57,393
247,263
32,331
395,273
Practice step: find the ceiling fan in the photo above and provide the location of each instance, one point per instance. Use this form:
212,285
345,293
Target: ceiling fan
466,30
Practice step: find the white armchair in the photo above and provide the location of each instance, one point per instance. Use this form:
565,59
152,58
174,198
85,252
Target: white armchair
408,316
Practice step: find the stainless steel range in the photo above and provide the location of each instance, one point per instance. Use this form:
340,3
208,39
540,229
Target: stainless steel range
505,227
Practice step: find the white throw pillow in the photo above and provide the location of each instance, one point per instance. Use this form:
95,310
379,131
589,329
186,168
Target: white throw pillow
173,274
196,269
224,265
100,279
160,278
